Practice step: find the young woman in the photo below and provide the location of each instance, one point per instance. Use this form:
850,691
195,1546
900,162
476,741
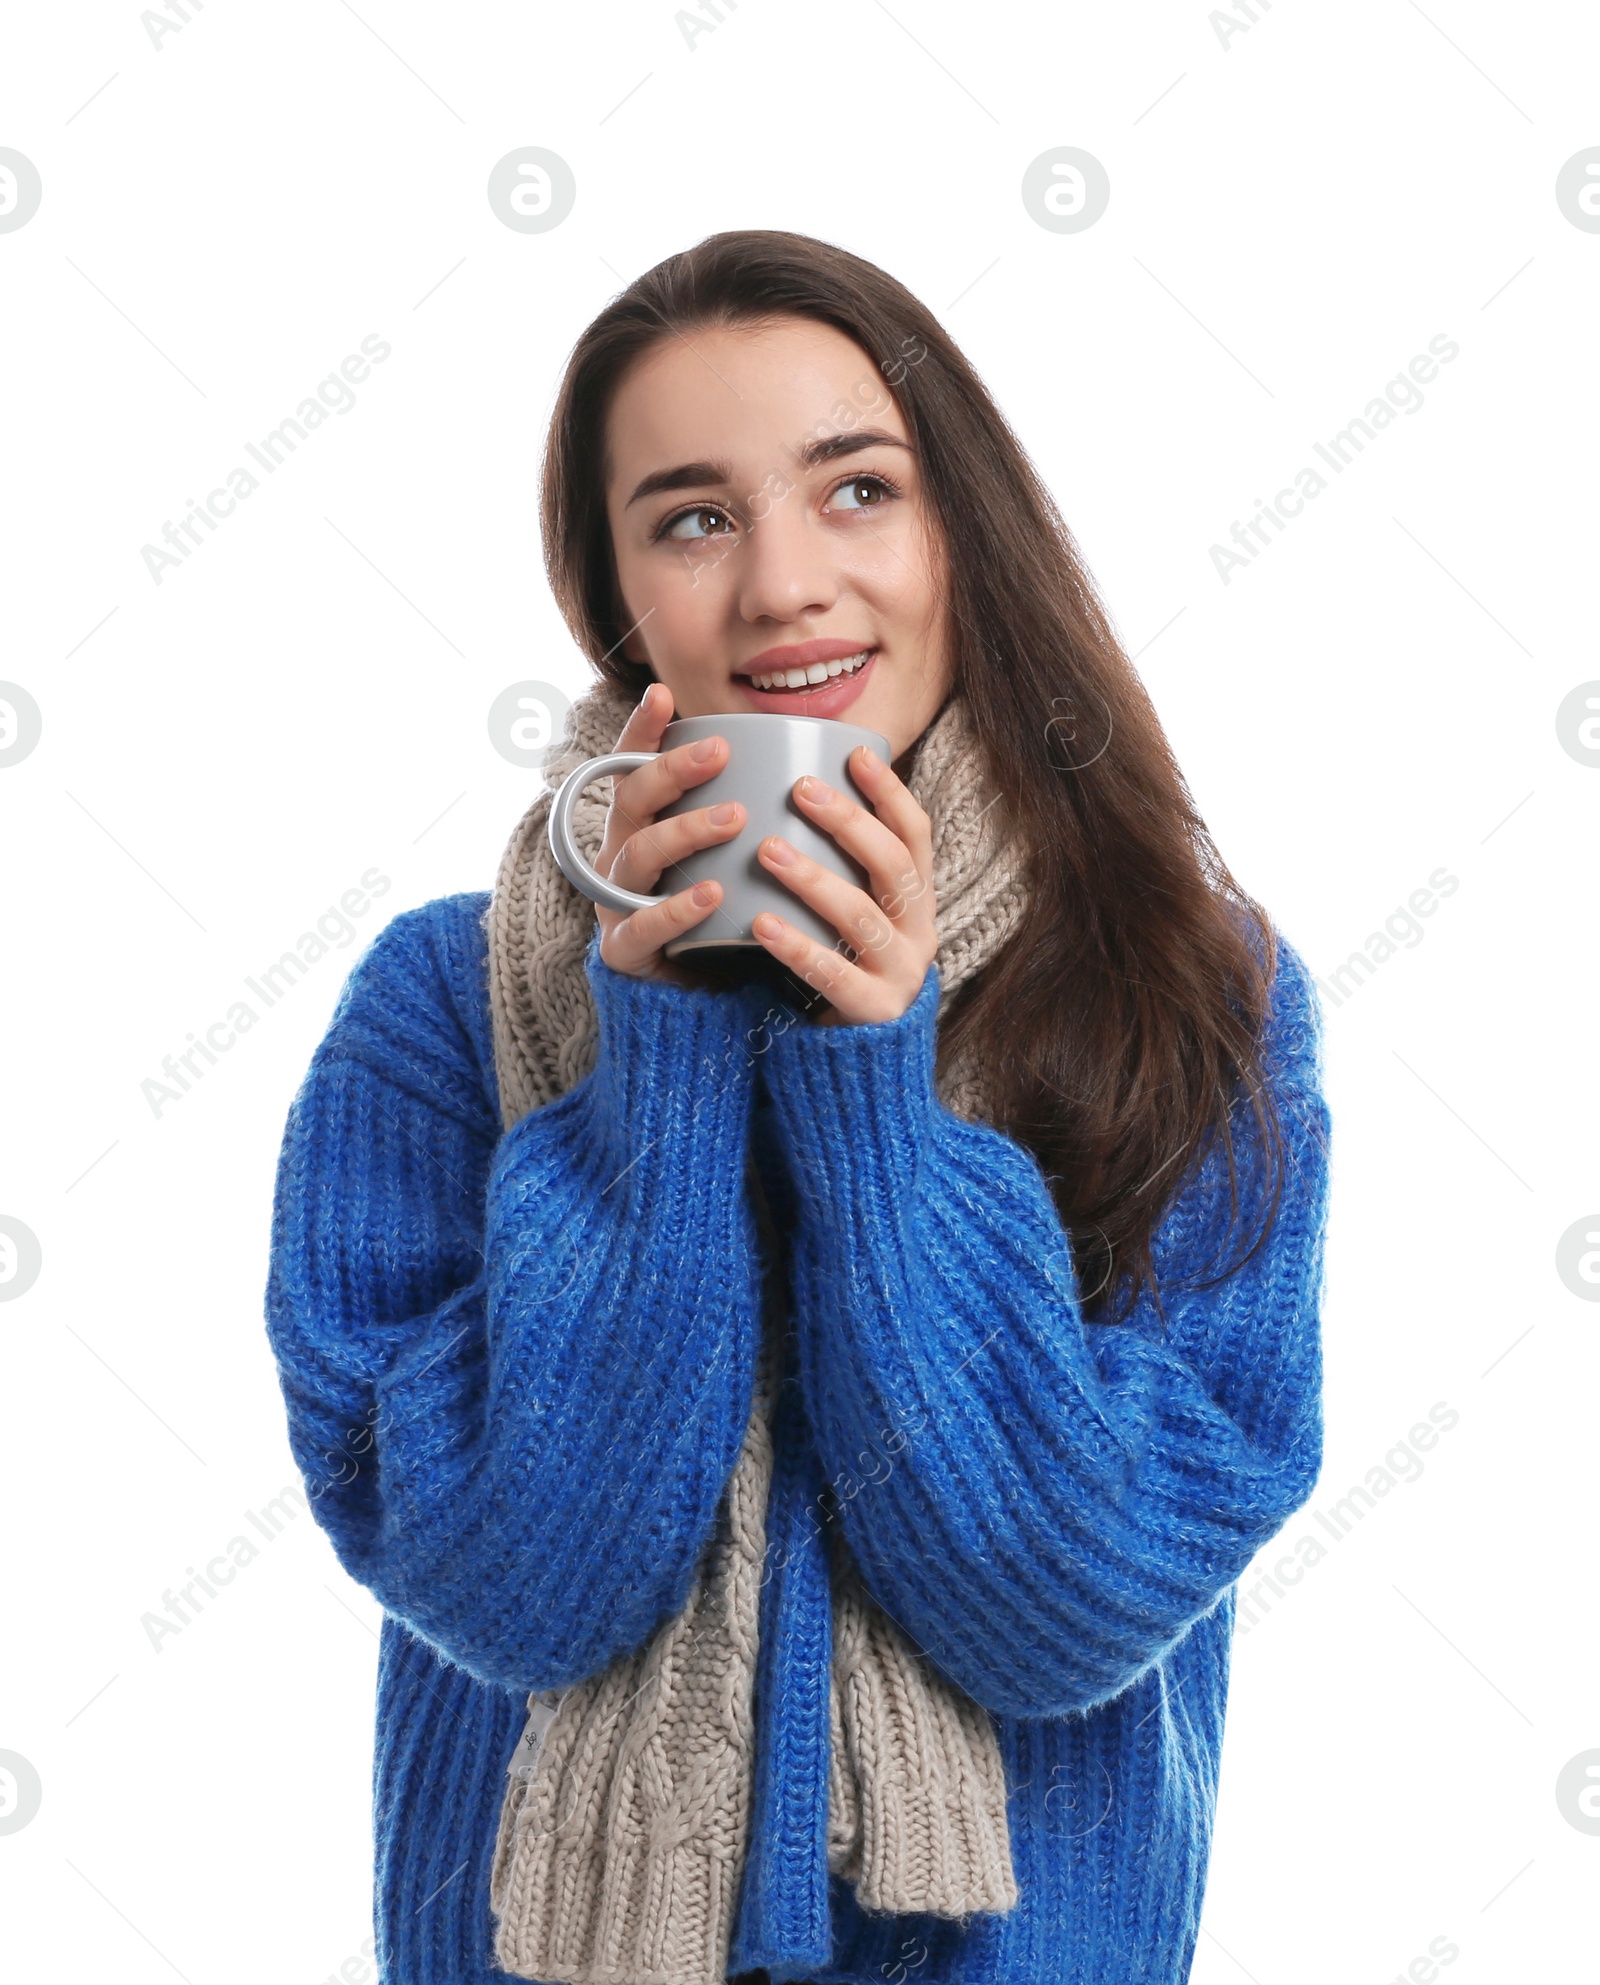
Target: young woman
805,1420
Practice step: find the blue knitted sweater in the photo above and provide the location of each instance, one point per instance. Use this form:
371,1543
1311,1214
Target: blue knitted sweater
518,1365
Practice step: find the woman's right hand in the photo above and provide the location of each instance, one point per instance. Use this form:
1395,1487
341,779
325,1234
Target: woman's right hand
638,849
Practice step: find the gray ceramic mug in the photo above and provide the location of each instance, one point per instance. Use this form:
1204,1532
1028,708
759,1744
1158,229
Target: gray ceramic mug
767,753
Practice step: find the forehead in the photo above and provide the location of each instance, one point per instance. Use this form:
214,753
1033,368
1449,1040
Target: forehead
739,392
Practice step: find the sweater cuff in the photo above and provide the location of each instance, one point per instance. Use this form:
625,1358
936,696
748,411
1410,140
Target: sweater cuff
666,1051
856,1101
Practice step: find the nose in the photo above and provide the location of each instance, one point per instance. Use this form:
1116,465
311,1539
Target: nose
787,568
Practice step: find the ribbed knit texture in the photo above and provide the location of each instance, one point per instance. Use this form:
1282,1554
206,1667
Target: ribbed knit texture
1055,1512
622,1845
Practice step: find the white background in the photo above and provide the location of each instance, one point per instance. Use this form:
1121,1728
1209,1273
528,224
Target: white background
1293,216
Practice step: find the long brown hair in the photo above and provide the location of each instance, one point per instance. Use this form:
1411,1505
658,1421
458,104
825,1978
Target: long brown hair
1127,1012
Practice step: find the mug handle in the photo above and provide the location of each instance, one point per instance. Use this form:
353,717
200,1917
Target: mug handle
580,873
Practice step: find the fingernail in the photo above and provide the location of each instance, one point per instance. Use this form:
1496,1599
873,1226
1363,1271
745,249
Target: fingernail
767,925
702,751
814,789
704,893
870,758
722,814
777,850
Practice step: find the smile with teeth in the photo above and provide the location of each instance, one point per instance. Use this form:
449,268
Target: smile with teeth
809,678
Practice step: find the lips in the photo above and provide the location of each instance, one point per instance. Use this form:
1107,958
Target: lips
810,678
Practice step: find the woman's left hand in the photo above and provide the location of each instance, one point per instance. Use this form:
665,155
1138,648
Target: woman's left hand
887,939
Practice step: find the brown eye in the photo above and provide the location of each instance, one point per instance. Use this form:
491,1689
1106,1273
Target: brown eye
694,518
861,493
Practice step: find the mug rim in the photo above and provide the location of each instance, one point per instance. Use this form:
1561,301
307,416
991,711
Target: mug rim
779,717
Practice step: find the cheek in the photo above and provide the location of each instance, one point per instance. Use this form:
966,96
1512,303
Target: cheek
663,581
679,594
895,572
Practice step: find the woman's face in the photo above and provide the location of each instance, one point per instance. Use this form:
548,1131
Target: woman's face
772,543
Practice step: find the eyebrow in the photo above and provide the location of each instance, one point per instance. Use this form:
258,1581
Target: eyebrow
716,474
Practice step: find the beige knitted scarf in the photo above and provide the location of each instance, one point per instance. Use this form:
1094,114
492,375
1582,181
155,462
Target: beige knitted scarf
625,1819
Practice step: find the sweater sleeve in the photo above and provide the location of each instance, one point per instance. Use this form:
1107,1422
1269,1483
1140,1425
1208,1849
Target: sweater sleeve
517,1367
1045,1504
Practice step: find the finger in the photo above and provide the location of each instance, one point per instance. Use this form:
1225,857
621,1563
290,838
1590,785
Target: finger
851,992
859,921
645,856
648,718
902,885
894,803
640,796
638,938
